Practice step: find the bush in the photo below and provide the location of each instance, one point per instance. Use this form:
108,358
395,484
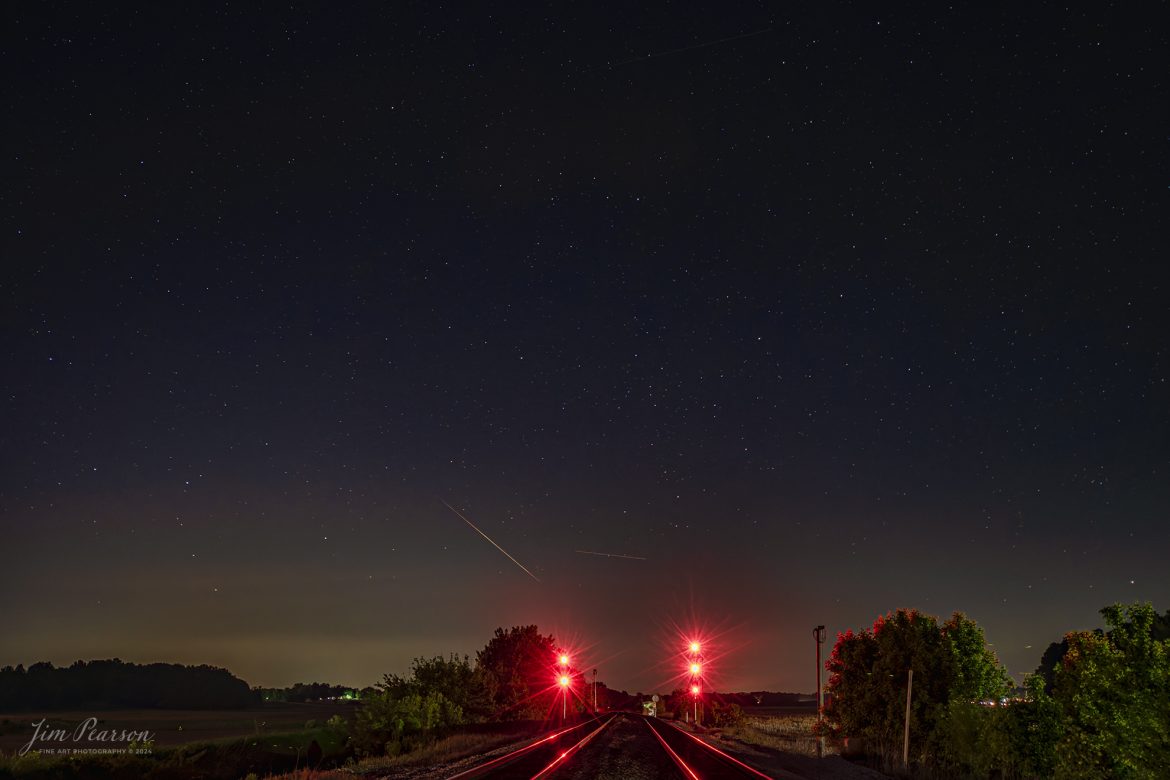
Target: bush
726,714
390,724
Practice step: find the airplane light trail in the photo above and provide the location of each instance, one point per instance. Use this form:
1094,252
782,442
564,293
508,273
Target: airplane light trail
485,536
612,555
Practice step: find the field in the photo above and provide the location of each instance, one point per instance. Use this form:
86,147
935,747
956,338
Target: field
789,729
179,727
782,739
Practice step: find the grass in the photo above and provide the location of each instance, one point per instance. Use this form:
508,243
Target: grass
180,727
789,733
443,751
307,774
230,759
255,748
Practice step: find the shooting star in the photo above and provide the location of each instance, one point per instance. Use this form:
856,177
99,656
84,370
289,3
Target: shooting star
612,555
485,536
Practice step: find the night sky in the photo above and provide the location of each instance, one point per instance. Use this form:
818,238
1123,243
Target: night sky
821,314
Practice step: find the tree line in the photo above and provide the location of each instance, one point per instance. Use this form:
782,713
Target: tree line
113,684
315,691
1098,707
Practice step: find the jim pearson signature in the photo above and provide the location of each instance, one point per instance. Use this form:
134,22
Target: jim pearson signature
86,731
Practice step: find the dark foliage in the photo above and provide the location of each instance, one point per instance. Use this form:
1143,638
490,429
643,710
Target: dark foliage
519,673
302,692
113,684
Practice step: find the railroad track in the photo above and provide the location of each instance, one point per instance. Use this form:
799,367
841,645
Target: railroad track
696,759
622,747
541,758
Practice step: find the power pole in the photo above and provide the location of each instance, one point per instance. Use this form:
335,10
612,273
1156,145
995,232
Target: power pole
594,691
906,735
819,636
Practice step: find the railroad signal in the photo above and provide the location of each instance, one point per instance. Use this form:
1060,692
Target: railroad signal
564,679
695,662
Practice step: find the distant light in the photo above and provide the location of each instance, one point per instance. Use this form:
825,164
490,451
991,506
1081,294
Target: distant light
694,647
695,689
695,668
564,660
565,682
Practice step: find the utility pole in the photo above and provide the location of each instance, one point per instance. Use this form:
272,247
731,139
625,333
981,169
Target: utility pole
906,735
594,691
819,636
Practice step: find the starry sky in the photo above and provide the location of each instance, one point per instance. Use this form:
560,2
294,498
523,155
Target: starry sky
820,311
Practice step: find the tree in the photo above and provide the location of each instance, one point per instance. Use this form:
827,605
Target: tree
1052,657
1113,689
979,676
1054,653
868,679
1160,628
453,677
407,711
518,672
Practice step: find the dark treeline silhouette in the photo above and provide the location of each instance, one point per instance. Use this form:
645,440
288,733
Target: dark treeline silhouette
113,684
769,699
302,692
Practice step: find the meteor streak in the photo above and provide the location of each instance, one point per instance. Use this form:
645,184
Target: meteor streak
485,536
612,555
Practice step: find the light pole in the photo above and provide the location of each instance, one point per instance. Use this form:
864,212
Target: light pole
594,691
819,636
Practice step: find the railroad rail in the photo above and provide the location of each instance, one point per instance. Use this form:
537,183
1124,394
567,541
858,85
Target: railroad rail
563,754
540,758
695,758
